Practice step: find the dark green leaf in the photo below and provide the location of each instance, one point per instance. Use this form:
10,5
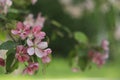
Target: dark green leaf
11,62
8,45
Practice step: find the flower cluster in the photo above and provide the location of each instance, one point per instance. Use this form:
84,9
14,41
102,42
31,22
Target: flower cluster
98,57
4,5
33,45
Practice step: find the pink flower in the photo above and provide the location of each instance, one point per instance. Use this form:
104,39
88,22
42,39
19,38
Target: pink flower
38,33
46,59
21,30
31,68
99,59
36,47
47,51
2,62
29,20
105,45
21,53
39,21
34,1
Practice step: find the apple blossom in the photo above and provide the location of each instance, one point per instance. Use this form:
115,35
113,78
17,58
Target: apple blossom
105,45
29,20
99,59
21,53
38,33
39,21
46,59
21,30
31,68
36,47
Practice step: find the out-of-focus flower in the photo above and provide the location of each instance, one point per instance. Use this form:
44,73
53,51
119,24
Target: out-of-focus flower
2,62
29,20
105,45
31,68
99,59
39,21
33,1
36,47
77,10
89,5
46,59
21,53
4,5
21,30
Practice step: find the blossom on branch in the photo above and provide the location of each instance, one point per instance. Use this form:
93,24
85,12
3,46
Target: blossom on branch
21,54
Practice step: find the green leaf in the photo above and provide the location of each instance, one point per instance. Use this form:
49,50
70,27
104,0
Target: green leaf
81,37
57,24
2,35
11,62
83,62
8,45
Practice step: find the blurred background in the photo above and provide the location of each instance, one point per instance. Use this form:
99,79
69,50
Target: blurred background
97,19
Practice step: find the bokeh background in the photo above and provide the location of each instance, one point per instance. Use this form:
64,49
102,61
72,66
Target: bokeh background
98,19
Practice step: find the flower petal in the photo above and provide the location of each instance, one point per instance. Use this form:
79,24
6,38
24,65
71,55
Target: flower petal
19,25
20,48
38,52
43,45
30,51
15,32
46,59
29,42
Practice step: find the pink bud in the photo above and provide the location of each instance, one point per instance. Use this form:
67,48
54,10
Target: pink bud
2,62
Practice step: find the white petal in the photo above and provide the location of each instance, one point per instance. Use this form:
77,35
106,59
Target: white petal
30,51
38,52
43,45
29,42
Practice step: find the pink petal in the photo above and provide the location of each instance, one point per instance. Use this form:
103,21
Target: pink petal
20,25
29,42
30,51
48,51
15,32
43,45
37,41
20,48
36,29
40,35
38,52
46,59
